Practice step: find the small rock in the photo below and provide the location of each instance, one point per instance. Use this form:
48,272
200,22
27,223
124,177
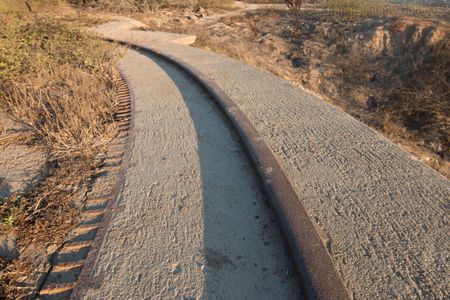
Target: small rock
200,10
52,249
175,269
5,189
8,247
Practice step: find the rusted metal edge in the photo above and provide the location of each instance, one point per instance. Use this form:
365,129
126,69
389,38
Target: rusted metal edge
319,278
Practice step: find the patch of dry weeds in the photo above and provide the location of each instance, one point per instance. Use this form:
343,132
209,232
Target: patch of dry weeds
57,81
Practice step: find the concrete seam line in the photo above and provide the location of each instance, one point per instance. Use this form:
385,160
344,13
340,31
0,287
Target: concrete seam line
318,275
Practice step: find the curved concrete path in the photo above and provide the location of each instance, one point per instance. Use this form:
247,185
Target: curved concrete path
190,221
382,214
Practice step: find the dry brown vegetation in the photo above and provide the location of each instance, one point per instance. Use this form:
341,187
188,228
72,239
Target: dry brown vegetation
390,71
57,82
50,74
149,5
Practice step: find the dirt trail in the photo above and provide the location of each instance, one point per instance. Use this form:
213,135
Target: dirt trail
191,221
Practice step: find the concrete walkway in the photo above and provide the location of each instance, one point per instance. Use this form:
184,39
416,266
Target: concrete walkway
191,221
382,214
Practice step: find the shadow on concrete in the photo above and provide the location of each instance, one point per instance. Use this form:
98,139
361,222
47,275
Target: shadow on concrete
244,255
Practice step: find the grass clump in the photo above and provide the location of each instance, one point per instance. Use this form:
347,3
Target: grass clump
30,45
50,74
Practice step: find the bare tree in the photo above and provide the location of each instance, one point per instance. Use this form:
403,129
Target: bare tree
294,6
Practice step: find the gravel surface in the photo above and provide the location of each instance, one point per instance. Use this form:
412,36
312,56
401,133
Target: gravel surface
191,221
382,214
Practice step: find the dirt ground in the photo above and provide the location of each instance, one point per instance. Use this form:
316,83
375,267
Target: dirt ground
390,72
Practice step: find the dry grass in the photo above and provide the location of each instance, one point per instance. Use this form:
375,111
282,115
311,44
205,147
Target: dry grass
58,82
265,1
357,9
224,4
233,50
50,74
9,280
40,218
58,107
149,5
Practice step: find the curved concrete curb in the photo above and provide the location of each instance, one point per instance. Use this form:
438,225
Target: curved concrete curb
319,278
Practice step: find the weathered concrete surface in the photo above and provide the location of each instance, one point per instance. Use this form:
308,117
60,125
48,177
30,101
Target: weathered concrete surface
382,214
20,165
190,222
125,24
